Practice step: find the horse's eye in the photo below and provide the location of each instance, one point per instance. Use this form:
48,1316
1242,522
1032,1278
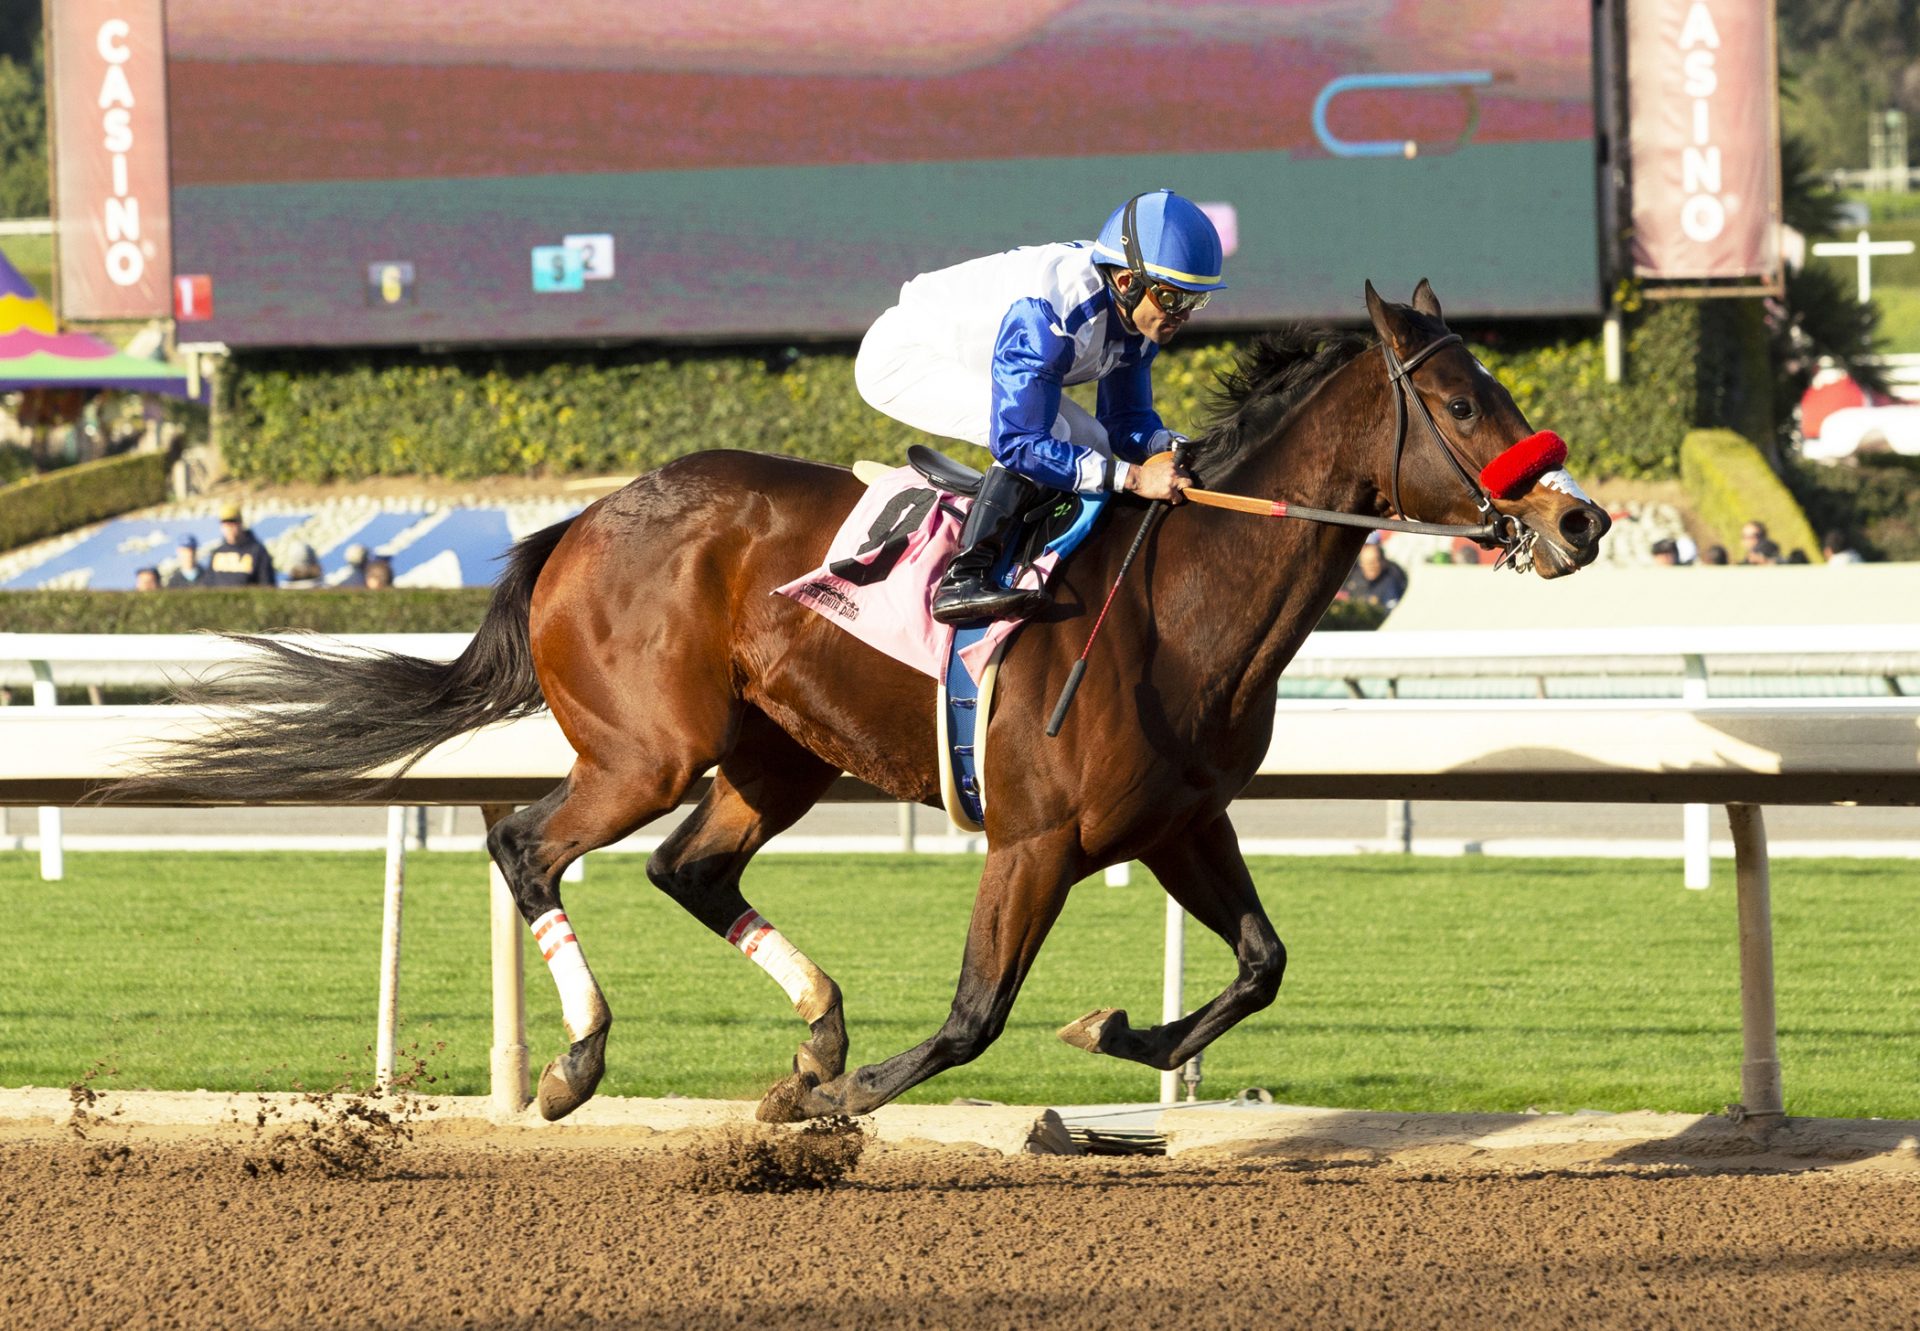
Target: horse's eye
1461,407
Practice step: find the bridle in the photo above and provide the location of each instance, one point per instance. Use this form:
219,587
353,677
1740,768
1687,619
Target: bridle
1496,529
1514,539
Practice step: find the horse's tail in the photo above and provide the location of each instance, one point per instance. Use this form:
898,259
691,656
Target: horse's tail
311,723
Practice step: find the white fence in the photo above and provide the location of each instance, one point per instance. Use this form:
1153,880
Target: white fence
1744,753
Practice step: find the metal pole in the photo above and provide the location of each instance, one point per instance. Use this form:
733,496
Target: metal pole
390,948
1400,826
509,990
907,829
1760,1090
1695,834
53,856
1173,987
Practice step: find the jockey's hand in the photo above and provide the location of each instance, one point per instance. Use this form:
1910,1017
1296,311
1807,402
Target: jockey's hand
1159,477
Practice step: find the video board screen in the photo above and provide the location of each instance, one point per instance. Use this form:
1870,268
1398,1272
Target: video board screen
347,172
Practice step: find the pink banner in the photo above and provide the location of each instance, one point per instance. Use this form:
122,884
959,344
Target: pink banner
106,74
1702,138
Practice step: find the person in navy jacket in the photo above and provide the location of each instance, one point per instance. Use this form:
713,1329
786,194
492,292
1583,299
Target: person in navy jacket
981,351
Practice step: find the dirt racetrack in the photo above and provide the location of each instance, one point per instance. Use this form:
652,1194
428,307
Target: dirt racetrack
123,1229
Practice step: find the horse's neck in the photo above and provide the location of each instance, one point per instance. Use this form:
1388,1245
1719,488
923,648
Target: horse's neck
1266,581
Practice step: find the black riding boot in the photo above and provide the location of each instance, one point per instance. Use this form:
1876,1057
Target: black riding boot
968,592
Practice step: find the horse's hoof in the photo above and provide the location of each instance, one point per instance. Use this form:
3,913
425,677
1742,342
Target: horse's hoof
1095,1032
571,1079
783,1100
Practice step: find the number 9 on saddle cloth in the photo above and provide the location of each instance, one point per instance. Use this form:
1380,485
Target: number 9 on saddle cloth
879,577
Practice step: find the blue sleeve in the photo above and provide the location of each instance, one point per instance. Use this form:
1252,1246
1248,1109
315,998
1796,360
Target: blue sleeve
1125,406
1031,357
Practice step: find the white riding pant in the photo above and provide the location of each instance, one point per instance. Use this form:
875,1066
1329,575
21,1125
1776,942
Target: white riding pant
925,387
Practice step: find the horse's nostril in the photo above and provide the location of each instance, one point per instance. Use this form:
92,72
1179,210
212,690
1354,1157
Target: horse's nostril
1581,527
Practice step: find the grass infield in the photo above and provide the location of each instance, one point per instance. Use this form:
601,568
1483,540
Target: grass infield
1413,984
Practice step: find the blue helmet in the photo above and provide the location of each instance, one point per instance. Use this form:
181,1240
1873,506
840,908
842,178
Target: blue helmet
1171,241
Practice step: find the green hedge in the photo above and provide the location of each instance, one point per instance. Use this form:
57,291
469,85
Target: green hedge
1729,483
59,501
313,417
1627,430
260,610
245,609
1874,499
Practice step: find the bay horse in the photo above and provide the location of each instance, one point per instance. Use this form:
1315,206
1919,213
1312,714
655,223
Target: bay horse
645,625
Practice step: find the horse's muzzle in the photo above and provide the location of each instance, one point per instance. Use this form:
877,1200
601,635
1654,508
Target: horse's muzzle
1571,542
1581,528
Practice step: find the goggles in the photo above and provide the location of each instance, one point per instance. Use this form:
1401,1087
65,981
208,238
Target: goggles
1177,300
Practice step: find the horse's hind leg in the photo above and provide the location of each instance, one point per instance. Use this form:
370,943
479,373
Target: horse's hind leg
762,788
593,807
1204,872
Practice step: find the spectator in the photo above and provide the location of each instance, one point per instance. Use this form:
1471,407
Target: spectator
1838,549
1376,578
304,571
379,575
187,570
1762,551
1796,556
146,579
356,556
239,560
1666,552
1714,554
1751,535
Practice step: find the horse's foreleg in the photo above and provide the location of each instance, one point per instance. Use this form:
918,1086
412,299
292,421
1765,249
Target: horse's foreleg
761,789
1205,873
591,808
1021,893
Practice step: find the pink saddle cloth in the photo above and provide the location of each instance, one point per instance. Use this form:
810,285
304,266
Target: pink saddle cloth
882,568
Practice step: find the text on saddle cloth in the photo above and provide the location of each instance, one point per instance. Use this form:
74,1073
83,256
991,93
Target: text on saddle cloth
883,566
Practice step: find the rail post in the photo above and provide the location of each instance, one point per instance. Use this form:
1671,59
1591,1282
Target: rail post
1173,988
384,1038
509,988
1760,1092
53,857
1697,859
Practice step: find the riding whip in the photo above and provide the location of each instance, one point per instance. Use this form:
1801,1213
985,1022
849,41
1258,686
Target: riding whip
1155,511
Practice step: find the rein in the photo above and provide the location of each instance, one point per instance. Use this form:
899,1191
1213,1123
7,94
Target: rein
1495,529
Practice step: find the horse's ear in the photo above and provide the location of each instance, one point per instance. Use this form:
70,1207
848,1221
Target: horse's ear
1425,301
1381,313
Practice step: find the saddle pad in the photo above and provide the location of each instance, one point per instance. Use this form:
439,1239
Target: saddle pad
882,567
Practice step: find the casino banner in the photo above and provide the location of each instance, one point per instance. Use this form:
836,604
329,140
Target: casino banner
106,72
1703,139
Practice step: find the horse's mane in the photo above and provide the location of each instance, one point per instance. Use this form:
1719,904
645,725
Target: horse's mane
1272,376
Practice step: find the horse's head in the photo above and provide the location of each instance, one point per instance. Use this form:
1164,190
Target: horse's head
1464,451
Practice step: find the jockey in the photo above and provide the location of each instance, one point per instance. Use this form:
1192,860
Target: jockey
982,350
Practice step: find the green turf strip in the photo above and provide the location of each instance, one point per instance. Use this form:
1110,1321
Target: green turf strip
1413,984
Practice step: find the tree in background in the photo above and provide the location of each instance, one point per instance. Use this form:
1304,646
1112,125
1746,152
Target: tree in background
23,112
1849,60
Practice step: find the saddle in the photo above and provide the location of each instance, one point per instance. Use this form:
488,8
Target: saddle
877,584
1055,524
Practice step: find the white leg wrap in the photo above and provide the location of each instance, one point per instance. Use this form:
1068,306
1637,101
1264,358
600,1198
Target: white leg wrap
805,984
579,995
